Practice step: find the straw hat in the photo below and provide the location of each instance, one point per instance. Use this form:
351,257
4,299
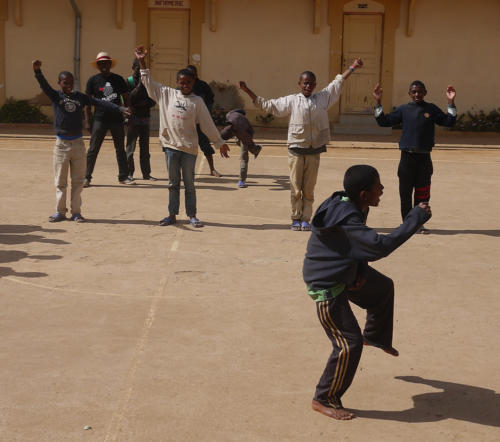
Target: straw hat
102,56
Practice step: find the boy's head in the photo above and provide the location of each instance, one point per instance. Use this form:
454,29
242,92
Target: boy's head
362,185
307,83
66,81
185,81
193,69
417,91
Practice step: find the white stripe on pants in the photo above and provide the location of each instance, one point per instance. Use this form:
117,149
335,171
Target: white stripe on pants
69,155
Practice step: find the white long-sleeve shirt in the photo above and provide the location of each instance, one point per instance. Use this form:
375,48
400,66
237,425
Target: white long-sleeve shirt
179,115
308,126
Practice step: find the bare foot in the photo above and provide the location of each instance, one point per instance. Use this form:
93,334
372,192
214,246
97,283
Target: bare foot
215,173
340,414
389,350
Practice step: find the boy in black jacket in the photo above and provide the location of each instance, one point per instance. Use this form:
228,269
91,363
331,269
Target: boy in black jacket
417,140
138,124
69,151
336,271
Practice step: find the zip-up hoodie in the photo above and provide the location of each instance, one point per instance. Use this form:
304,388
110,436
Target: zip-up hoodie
308,126
179,115
341,243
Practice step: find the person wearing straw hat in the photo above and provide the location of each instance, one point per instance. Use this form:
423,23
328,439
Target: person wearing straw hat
112,88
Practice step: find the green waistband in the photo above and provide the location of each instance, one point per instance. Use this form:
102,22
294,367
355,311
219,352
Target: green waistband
326,294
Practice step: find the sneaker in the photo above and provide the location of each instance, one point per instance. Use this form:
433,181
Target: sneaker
242,184
57,217
129,182
168,221
295,225
78,218
305,226
195,222
131,178
86,182
259,148
150,178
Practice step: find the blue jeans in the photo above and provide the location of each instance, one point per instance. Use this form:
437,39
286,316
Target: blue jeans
180,162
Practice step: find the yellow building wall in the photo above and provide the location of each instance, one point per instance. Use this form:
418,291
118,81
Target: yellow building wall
47,33
454,42
267,44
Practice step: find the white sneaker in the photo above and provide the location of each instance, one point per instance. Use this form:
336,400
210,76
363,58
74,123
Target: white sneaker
128,181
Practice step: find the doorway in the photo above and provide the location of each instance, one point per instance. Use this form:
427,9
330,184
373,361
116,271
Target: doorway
362,37
169,44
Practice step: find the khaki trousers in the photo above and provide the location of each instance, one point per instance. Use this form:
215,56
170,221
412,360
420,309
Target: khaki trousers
303,175
69,155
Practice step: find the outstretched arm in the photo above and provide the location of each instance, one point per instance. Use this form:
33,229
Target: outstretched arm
243,86
152,87
279,107
44,85
356,64
450,118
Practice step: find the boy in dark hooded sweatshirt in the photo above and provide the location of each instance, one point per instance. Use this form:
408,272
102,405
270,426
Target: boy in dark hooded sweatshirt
336,271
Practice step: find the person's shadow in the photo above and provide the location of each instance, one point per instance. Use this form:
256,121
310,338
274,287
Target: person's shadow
455,401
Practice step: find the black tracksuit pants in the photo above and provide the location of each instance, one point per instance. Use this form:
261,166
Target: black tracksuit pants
414,172
140,131
99,130
341,327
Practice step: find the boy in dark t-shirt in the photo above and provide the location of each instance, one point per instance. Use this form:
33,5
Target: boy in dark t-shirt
69,151
417,140
112,88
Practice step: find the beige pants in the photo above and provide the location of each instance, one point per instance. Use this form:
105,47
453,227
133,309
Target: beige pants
69,155
303,175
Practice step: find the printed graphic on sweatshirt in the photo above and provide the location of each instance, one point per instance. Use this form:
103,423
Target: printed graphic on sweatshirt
108,93
181,106
69,104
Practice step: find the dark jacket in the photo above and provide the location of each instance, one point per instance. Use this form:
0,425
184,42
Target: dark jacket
341,243
68,109
239,122
202,89
418,121
138,99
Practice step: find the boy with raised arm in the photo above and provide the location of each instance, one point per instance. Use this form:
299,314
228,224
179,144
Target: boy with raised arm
180,112
308,135
69,151
417,140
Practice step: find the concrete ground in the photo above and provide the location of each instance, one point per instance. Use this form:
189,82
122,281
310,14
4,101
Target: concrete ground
147,333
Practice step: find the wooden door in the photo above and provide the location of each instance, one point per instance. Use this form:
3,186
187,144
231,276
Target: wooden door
363,39
169,44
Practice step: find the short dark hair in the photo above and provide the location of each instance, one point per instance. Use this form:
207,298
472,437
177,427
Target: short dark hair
358,178
192,67
64,74
186,73
417,83
307,74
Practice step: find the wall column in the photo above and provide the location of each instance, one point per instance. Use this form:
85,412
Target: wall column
4,15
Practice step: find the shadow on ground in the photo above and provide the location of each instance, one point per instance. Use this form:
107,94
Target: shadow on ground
21,234
457,401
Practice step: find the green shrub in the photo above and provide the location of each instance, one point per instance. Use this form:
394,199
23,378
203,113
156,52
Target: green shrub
479,121
265,119
20,111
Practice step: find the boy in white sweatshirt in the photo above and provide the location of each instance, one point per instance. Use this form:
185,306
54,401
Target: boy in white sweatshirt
308,134
180,112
